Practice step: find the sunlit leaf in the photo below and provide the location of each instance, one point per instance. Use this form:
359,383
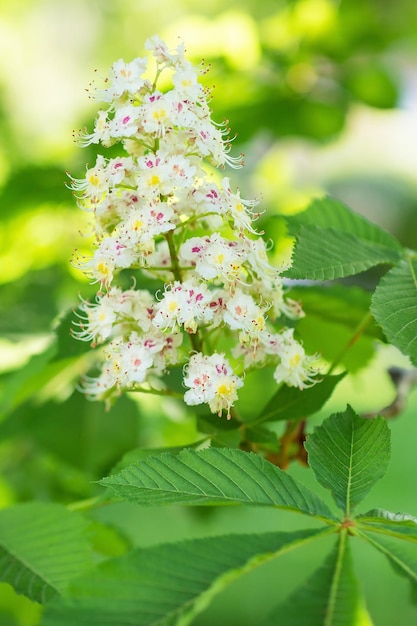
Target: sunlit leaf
329,213
348,455
169,584
330,597
214,476
22,383
291,403
42,548
394,306
327,254
333,242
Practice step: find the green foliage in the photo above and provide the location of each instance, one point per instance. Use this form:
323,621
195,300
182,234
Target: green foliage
168,584
290,403
348,455
333,242
315,59
330,596
141,587
394,306
214,476
42,548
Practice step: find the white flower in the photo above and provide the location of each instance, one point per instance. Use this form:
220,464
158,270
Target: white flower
242,313
296,369
101,133
241,211
125,123
214,257
145,223
211,380
124,77
183,304
161,51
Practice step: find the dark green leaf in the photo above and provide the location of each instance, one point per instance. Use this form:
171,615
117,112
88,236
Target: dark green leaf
348,454
290,403
214,475
330,597
169,584
394,306
42,547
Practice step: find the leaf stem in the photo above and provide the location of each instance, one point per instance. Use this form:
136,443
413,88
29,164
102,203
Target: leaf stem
359,330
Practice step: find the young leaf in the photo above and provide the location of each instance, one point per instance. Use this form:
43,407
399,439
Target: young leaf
328,212
333,242
214,476
394,306
42,547
290,403
399,525
327,254
169,584
330,597
348,454
400,555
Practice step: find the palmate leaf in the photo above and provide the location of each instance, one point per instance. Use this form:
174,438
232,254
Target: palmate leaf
394,306
334,242
169,584
401,555
399,525
330,597
42,547
291,403
348,454
214,476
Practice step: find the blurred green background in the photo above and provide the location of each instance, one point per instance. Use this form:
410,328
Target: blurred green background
323,98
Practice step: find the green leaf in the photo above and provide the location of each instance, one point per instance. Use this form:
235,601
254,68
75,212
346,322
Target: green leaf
348,454
290,403
138,454
402,556
327,254
399,525
328,212
21,384
81,433
394,306
334,242
167,584
214,476
42,547
342,305
330,597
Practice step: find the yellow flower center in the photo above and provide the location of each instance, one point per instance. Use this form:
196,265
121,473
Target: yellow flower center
294,360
